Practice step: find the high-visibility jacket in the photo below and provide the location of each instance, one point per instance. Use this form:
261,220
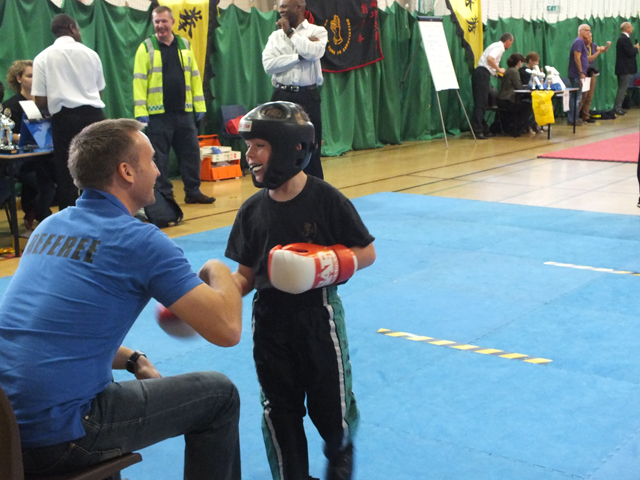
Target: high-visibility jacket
147,79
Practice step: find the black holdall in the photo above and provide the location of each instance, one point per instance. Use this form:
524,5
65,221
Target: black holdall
603,114
165,212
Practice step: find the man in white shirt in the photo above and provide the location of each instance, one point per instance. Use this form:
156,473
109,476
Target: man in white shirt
292,57
488,65
68,82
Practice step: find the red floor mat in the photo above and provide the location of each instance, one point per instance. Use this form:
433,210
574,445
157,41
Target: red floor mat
619,149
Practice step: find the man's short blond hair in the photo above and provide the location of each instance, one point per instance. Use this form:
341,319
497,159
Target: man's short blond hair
97,151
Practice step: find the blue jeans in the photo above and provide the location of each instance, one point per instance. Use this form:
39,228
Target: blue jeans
574,103
128,416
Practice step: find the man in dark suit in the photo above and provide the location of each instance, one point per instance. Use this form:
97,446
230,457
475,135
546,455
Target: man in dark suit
625,64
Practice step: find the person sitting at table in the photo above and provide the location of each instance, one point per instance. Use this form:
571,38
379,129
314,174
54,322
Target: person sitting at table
532,60
517,112
36,174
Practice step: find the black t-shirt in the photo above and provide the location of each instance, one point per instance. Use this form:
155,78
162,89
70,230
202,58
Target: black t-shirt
16,110
319,214
173,85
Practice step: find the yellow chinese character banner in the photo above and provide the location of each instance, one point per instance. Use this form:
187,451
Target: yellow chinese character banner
467,15
192,23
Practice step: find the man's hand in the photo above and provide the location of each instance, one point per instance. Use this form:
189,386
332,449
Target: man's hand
145,369
284,24
144,120
199,116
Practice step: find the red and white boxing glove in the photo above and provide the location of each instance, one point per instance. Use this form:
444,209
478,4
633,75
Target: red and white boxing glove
300,267
172,324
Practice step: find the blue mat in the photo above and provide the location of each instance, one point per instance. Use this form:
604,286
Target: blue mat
467,272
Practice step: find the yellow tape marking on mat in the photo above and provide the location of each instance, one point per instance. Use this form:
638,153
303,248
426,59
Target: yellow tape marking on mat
465,347
594,269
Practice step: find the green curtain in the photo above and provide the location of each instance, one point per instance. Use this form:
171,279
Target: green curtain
113,32
363,108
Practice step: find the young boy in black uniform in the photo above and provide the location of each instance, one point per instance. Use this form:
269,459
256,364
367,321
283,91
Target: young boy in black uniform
299,334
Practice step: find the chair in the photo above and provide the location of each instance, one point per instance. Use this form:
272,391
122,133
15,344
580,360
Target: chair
229,112
633,88
11,454
493,107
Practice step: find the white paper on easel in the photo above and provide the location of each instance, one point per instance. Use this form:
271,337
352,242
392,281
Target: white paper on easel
565,100
30,109
586,84
438,56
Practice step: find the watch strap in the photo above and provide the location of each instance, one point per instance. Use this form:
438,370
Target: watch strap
133,359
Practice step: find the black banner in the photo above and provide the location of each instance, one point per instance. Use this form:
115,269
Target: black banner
352,27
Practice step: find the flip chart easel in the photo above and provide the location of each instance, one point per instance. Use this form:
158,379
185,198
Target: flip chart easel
440,64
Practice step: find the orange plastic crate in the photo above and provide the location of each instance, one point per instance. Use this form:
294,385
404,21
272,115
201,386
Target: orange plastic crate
209,173
208,140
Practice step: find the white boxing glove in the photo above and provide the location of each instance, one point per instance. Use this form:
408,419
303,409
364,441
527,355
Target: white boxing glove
300,267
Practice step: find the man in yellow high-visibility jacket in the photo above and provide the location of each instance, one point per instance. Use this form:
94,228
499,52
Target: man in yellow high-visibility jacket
167,89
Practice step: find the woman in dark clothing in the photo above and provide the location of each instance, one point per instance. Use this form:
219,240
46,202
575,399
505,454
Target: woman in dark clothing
36,176
516,113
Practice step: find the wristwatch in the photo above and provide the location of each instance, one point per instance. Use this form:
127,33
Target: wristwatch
133,359
291,32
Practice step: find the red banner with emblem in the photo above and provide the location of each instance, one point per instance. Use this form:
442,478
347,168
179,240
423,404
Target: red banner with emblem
352,27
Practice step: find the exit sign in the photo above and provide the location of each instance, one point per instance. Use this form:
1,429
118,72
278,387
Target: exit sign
553,8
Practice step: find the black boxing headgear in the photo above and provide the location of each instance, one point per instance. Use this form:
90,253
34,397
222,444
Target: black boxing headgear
285,126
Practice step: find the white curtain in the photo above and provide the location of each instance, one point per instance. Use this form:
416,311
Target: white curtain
491,9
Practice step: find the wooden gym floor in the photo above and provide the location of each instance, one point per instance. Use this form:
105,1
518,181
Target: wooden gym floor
501,169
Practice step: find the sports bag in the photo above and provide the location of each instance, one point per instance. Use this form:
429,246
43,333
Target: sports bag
603,114
165,212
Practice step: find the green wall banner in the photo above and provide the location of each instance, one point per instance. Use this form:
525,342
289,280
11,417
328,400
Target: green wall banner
352,27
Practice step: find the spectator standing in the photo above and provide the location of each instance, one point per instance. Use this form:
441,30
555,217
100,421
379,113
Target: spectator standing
578,65
626,64
167,89
488,65
292,58
593,51
68,83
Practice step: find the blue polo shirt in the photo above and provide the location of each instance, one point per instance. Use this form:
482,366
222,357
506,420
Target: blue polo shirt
85,276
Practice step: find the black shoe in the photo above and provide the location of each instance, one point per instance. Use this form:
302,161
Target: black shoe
199,198
482,136
341,466
620,112
590,120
